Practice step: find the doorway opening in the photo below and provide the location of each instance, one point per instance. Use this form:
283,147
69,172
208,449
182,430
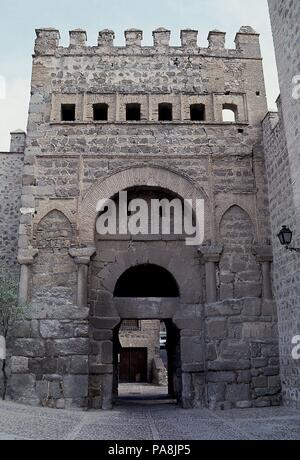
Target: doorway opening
147,364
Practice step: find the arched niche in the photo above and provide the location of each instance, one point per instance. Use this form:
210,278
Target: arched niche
54,270
240,274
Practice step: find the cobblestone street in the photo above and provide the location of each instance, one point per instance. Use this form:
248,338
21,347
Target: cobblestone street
144,413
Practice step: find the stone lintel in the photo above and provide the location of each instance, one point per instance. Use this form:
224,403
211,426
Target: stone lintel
188,323
211,253
104,323
136,308
263,253
101,369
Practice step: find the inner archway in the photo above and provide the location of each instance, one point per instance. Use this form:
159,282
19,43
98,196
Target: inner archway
147,364
147,280
147,277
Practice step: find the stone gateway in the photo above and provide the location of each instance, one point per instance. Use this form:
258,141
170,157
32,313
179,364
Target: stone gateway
157,122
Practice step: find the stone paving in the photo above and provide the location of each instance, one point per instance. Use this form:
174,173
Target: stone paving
144,413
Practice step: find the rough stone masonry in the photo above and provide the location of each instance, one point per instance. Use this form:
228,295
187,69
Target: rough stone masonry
282,146
148,120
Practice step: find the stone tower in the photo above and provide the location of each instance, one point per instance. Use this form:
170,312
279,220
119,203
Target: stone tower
148,120
282,146
11,166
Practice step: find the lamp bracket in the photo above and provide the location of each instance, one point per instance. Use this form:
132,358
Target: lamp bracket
292,249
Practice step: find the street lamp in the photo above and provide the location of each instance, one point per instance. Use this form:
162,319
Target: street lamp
285,237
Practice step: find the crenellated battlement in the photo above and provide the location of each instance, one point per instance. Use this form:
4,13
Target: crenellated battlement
246,43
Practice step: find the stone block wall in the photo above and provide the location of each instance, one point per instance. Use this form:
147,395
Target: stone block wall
49,366
11,166
286,266
240,274
285,18
282,145
242,354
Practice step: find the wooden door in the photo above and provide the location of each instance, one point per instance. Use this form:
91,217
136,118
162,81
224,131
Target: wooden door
133,365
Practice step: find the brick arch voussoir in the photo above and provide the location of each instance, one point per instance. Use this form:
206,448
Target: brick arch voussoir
133,177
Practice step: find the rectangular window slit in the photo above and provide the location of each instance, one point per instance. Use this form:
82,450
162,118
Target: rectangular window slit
100,112
197,112
165,112
68,112
133,112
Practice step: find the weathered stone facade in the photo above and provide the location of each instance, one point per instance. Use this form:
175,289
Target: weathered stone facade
282,145
286,265
11,166
221,319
